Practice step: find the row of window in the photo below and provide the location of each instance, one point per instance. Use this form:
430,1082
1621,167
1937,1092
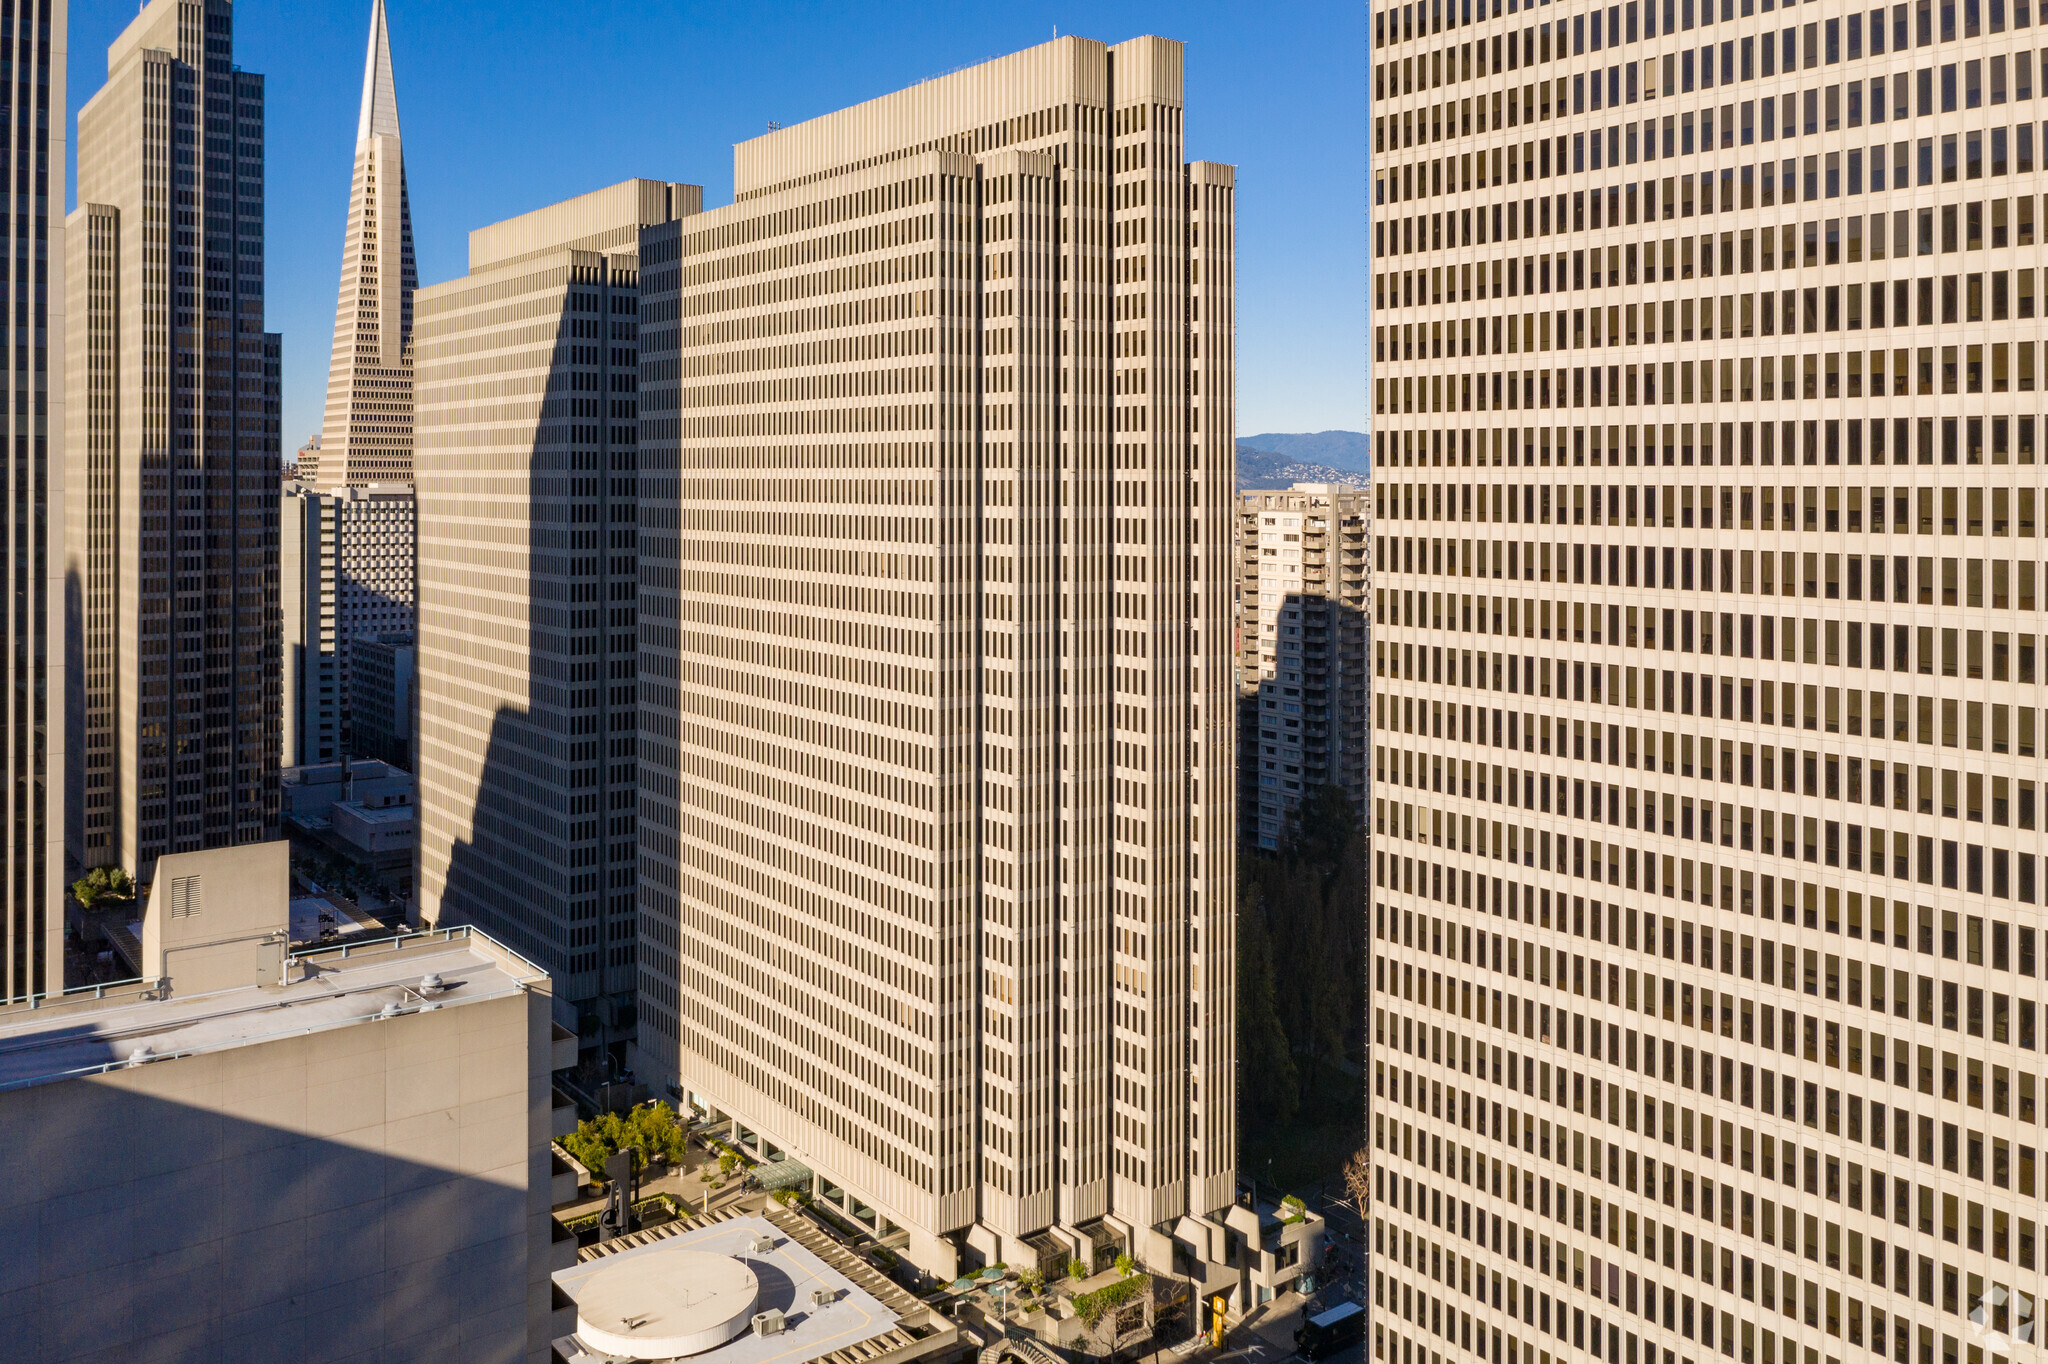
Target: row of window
1405,23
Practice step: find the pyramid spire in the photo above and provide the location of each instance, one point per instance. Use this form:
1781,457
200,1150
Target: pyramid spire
367,437
380,92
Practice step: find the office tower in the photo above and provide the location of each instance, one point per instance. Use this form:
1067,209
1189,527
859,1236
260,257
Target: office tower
1301,652
380,698
33,741
311,723
1707,772
172,540
306,1194
348,577
368,433
528,566
936,657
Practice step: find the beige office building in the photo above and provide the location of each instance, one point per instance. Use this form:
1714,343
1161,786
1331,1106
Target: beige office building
171,538
1302,680
936,658
528,569
262,1154
1708,784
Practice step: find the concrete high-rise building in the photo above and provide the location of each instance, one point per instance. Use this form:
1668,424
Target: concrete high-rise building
307,554
938,720
34,654
528,545
347,559
348,1146
1302,677
172,537
380,698
368,433
1707,626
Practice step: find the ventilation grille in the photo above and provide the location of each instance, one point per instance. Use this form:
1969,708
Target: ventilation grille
185,897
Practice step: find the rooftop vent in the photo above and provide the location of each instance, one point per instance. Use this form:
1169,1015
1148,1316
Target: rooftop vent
431,983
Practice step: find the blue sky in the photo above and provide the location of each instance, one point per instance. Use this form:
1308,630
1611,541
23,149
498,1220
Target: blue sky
517,104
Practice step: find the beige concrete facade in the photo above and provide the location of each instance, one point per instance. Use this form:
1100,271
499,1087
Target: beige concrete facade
1708,772
345,1164
367,436
528,536
937,777
38,666
1302,670
171,548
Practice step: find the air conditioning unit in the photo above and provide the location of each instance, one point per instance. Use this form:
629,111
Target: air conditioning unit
769,1323
761,1245
823,1297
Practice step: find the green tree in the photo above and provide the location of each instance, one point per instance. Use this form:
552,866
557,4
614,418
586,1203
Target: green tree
650,1130
102,883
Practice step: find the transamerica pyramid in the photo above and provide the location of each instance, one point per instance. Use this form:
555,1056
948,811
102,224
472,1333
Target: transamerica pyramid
367,435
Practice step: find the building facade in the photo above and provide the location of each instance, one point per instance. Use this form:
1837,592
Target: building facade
39,662
306,1195
936,656
1302,680
172,542
528,640
307,553
381,698
367,436
1707,772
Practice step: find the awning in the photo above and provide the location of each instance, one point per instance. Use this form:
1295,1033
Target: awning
783,1174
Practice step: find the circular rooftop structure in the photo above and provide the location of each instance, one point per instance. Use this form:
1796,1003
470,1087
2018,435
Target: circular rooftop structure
662,1306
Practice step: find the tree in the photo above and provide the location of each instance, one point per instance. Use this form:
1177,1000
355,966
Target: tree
650,1130
1358,1179
1265,1066
102,883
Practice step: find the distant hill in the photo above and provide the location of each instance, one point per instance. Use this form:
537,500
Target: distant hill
1264,469
1351,450
1280,461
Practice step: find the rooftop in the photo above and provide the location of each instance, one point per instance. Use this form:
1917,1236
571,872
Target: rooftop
99,1028
647,1290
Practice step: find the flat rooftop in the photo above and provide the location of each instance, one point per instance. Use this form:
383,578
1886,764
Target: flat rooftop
867,1318
96,1029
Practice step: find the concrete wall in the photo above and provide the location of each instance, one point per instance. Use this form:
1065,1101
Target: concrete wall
364,1193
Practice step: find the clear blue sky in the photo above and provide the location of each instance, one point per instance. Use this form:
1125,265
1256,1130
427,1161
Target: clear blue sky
510,106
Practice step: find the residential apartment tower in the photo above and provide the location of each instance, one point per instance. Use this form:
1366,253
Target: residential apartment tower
1302,680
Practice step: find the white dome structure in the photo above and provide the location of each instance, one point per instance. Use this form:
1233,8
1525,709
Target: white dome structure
665,1306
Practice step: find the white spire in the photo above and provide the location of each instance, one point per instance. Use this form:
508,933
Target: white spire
380,93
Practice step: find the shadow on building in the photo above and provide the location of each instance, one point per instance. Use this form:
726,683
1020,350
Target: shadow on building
140,1226
536,829
1307,724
